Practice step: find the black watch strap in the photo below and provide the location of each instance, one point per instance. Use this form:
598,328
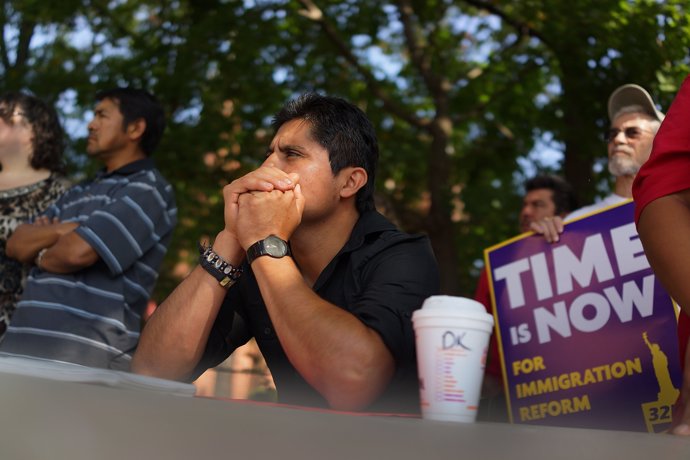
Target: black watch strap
226,273
272,246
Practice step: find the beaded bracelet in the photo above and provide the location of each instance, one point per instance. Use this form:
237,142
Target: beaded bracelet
226,273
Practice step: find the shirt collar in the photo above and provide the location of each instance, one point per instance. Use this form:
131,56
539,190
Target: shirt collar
369,222
129,168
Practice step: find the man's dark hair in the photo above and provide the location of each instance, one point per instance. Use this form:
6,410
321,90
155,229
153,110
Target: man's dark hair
135,104
563,194
343,130
48,140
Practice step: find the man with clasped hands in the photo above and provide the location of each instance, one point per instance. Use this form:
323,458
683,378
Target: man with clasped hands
306,265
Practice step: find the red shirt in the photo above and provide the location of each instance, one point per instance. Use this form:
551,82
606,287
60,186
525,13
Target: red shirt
483,295
668,171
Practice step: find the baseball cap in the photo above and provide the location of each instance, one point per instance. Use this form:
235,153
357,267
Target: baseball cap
632,94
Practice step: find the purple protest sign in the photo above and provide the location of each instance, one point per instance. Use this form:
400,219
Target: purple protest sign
586,331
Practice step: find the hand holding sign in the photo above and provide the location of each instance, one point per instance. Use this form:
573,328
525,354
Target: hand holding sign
576,312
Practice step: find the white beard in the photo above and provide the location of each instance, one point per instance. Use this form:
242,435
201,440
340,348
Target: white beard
620,165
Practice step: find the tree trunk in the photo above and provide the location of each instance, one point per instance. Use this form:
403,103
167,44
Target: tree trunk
439,225
580,147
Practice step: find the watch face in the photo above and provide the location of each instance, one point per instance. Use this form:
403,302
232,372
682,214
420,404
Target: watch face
275,247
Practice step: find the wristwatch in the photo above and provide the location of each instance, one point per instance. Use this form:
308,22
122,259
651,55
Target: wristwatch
226,273
269,246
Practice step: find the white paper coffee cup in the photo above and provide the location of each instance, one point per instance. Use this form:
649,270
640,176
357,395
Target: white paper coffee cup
452,337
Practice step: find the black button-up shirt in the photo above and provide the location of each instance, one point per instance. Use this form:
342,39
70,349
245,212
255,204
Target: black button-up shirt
381,276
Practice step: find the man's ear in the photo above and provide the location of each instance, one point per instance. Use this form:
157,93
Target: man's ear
355,179
136,129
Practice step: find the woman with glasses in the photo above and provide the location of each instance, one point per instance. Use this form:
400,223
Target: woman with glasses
31,178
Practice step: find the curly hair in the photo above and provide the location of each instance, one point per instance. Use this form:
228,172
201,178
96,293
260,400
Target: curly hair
48,139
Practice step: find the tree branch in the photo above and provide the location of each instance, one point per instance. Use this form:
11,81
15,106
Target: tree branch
314,13
479,109
26,31
421,55
521,27
114,23
418,57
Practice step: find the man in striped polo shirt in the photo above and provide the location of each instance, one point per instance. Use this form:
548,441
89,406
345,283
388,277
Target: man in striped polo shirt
97,250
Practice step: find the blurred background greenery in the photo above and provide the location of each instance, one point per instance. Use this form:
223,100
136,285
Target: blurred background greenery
469,97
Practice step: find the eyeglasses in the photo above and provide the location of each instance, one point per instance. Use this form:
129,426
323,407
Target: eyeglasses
632,132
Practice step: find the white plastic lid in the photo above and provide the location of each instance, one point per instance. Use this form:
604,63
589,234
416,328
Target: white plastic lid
453,306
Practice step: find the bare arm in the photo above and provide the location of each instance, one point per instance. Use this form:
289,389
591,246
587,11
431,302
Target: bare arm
28,239
66,251
664,226
175,336
174,339
342,358
69,254
336,353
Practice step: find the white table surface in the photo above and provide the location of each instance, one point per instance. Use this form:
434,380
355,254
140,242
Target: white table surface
44,419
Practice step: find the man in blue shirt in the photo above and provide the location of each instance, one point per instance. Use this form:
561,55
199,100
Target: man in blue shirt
97,250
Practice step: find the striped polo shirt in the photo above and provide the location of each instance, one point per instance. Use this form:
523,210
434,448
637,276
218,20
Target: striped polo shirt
93,316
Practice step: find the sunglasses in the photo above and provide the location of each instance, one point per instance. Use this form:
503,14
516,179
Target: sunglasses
631,133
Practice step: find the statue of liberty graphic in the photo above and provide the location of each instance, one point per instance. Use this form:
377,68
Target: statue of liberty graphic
667,392
659,412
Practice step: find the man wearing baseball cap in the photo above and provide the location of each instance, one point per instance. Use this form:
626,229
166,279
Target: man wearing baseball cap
634,122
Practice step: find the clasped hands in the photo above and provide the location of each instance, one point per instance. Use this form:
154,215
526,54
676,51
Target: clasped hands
263,202
56,225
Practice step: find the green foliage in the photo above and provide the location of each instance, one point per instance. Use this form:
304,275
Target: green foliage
460,93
